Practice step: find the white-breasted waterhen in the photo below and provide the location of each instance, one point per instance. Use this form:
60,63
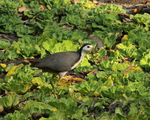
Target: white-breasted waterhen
62,62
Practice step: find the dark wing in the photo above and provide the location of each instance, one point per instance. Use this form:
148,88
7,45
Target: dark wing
59,62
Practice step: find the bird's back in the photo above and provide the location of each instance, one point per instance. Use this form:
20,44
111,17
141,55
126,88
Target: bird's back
59,62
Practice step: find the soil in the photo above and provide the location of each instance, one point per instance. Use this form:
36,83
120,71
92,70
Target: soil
132,6
124,1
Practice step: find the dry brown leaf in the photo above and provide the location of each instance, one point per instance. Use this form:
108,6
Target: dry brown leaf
42,7
132,67
22,9
69,79
147,2
74,1
94,71
10,93
77,80
21,105
101,59
125,18
135,10
62,83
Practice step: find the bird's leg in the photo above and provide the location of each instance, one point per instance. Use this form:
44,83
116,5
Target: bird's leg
63,77
54,90
62,74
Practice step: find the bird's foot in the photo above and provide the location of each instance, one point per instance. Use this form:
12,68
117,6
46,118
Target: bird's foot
67,79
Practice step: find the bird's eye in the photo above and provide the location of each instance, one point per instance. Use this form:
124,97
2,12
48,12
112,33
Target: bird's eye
88,46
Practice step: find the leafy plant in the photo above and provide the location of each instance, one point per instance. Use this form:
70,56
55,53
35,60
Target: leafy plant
116,76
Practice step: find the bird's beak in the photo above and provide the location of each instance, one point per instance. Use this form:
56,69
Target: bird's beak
92,47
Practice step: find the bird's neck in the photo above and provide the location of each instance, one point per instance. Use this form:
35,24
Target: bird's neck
82,53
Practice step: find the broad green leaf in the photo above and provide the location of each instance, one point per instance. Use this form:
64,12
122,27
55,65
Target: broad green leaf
9,100
66,45
4,44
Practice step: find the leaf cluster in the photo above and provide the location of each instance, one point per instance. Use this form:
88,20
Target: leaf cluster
117,75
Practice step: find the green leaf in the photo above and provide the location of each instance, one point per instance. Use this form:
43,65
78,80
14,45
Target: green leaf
66,45
4,44
145,61
142,19
49,44
9,100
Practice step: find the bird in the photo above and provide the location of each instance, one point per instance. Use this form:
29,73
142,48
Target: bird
62,62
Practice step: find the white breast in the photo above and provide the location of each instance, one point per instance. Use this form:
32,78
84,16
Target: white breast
82,56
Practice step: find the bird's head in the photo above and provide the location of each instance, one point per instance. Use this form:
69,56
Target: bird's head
86,48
